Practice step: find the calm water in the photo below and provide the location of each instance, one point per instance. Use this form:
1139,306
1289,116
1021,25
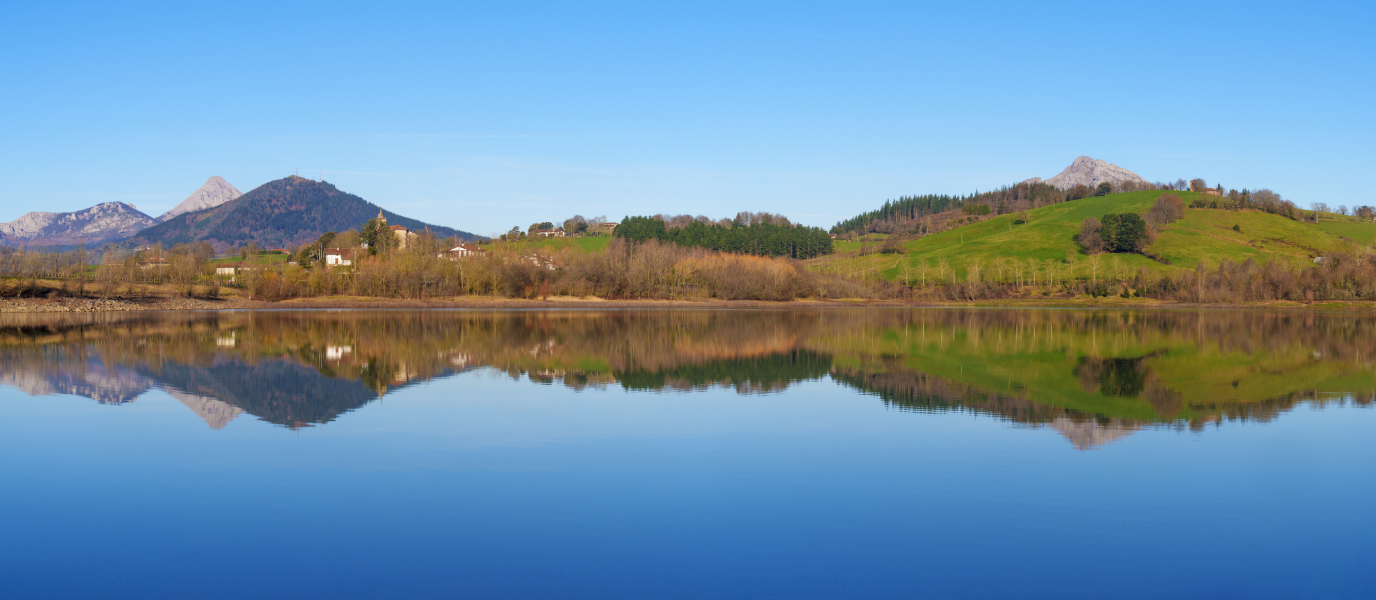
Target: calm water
688,454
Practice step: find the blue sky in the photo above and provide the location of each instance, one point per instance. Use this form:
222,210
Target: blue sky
485,116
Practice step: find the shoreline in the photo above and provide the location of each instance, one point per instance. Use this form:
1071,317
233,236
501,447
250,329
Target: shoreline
233,302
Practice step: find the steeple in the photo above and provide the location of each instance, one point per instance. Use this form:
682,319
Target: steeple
380,216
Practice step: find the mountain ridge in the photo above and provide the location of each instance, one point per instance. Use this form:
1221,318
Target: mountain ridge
104,222
279,214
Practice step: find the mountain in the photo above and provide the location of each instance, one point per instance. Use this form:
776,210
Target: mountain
215,192
92,226
279,214
1091,172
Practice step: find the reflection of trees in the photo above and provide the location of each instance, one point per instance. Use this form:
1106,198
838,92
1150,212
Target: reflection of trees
767,373
1124,377
1093,375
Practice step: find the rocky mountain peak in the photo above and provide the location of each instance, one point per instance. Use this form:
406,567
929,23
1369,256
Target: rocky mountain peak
215,192
1091,172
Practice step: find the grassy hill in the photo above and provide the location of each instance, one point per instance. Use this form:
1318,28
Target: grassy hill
1203,235
1350,228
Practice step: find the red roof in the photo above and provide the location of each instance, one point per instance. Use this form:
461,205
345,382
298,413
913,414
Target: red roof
398,228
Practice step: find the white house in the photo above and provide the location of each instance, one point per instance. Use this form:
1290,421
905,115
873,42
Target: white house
340,257
461,251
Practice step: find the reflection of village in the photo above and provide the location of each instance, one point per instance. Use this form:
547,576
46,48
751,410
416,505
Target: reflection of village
1094,378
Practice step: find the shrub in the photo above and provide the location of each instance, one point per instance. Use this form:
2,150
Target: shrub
1089,237
1168,208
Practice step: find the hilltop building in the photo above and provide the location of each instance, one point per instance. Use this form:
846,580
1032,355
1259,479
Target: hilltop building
405,237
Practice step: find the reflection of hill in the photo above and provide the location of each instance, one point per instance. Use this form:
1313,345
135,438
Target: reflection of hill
1092,375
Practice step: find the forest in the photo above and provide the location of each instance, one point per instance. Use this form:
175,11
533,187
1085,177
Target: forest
756,234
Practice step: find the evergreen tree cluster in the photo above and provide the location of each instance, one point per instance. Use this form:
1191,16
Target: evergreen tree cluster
760,238
891,217
1125,232
904,209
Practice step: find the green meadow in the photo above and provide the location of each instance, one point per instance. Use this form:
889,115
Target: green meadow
1048,236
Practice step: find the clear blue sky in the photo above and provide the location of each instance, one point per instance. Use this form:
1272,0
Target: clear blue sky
482,117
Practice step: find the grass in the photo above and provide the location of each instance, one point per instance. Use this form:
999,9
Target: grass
265,259
1362,232
1203,235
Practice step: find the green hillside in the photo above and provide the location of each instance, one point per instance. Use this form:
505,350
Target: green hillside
1350,228
1203,235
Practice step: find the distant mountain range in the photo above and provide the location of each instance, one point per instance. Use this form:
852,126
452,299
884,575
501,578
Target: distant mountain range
93,226
277,214
1090,172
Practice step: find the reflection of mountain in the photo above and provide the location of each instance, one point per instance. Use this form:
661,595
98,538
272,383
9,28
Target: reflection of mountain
276,391
1093,376
90,380
1091,433
216,414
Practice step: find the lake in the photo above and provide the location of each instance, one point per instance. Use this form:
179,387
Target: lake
828,453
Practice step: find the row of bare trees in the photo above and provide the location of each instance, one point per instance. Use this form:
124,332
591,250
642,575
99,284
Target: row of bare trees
625,269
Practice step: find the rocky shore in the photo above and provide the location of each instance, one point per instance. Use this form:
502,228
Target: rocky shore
31,305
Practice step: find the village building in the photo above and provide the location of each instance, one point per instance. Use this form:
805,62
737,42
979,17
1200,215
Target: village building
341,257
544,262
461,251
1213,192
405,237
548,233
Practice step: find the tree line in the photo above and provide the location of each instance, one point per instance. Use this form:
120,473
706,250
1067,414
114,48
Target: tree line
756,234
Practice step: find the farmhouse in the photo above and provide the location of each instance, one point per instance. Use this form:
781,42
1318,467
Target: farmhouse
556,232
340,257
461,251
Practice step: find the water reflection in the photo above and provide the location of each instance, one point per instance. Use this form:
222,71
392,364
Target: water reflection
1094,376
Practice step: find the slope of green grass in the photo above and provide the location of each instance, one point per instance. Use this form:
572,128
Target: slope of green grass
1049,237
1362,232
266,259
